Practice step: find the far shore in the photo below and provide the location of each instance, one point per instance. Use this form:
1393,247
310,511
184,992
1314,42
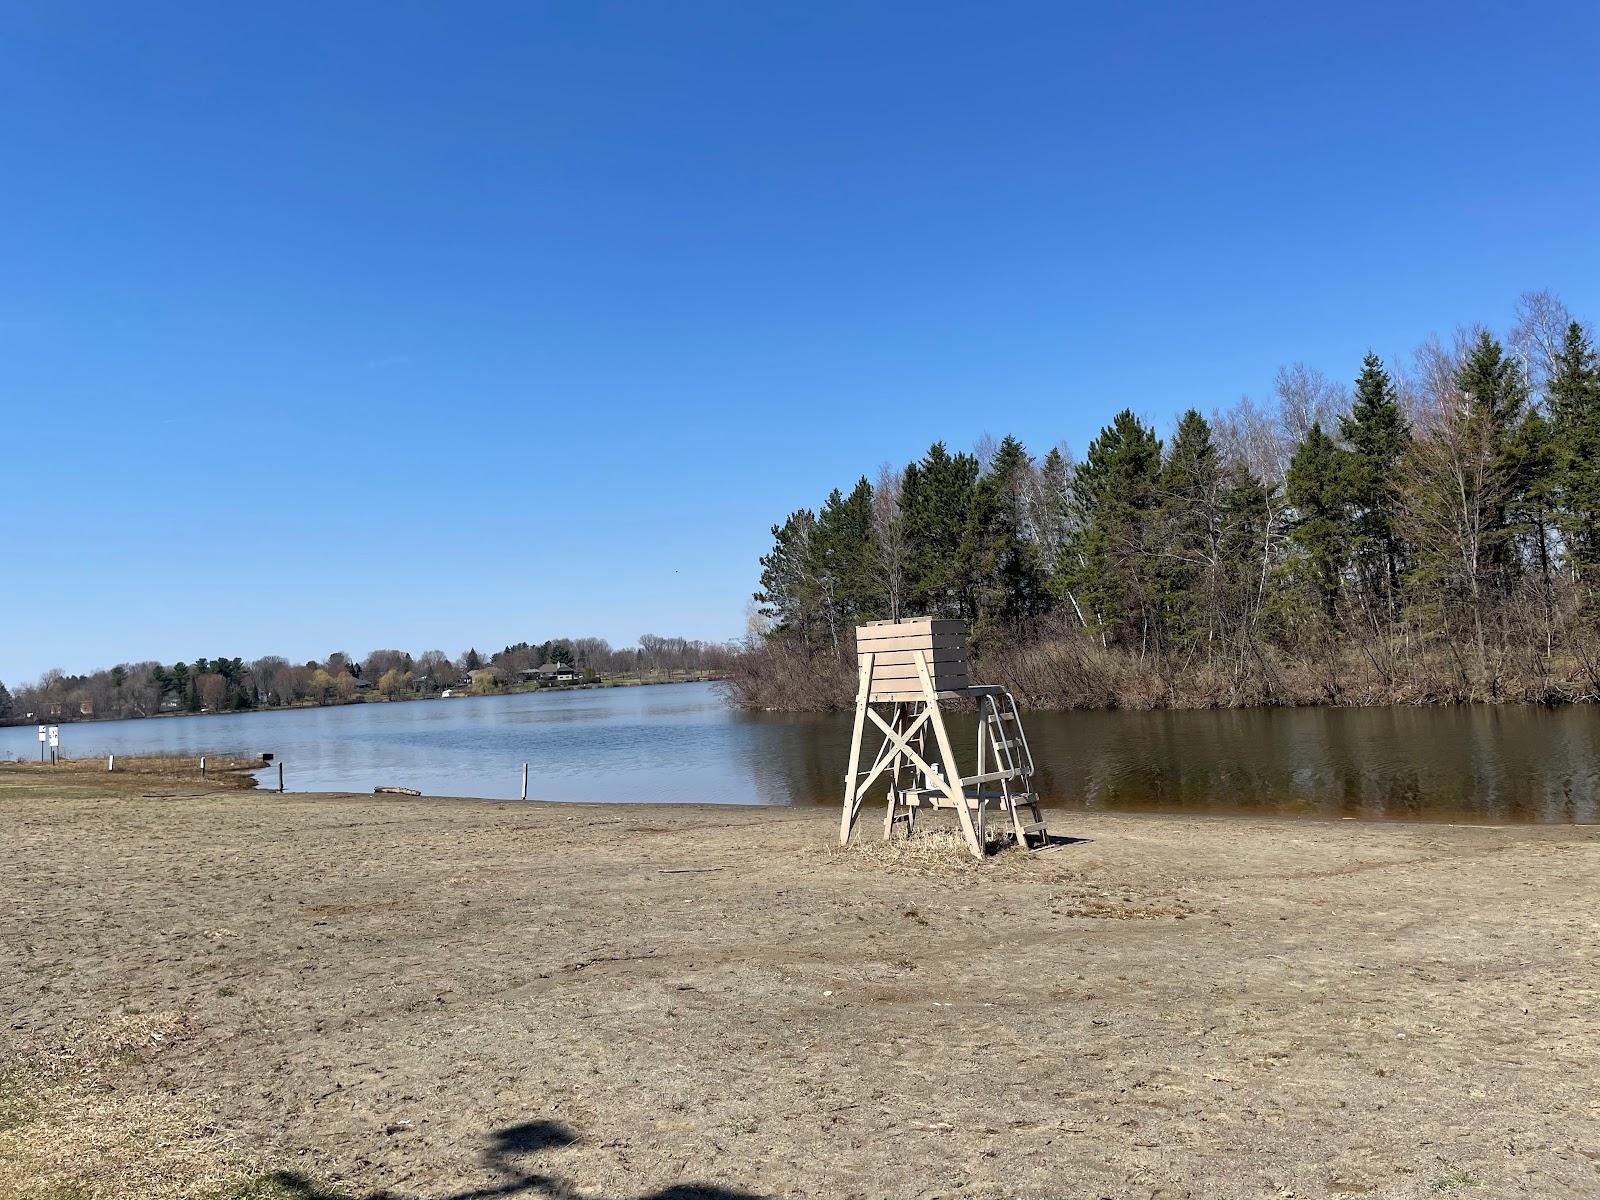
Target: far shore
219,992
367,698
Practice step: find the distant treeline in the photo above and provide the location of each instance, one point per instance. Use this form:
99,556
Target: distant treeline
228,684
1431,536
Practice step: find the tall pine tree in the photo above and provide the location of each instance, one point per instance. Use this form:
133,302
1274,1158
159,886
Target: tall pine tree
1187,570
1007,582
1377,433
935,498
1108,563
1573,397
843,550
1497,395
1320,526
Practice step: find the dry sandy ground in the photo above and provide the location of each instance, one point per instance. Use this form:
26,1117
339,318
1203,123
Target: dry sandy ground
430,998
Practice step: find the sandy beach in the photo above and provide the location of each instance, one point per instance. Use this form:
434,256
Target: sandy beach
212,992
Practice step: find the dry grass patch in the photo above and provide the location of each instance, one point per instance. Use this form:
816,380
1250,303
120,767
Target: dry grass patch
929,853
72,1127
222,770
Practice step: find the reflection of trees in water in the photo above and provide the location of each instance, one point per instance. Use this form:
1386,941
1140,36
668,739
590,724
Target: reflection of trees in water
1513,763
1510,763
795,758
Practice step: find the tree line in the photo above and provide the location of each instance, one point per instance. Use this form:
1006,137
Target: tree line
1427,534
226,684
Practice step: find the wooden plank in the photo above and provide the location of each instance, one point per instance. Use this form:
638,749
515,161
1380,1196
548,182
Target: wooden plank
897,633
941,671
902,697
914,625
852,802
914,641
906,657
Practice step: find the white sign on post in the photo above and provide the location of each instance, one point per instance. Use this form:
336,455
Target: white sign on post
55,736
41,733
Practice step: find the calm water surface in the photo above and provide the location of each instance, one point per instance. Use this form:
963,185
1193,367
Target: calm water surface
680,743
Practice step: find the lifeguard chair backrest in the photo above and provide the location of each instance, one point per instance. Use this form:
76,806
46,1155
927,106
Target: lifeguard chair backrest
893,645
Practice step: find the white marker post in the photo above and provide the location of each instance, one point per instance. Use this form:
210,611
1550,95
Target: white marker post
42,735
524,781
55,743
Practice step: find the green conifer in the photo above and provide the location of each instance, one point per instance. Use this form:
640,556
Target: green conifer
1377,434
1573,396
1320,527
1115,496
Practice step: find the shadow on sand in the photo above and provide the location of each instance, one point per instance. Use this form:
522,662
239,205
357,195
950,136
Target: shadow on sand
506,1147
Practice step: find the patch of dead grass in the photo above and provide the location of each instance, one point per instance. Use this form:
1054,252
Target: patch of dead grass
222,770
930,853
73,1126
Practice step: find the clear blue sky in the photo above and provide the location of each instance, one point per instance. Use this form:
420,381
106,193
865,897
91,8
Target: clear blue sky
335,326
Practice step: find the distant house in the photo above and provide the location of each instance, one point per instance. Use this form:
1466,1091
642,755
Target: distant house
556,673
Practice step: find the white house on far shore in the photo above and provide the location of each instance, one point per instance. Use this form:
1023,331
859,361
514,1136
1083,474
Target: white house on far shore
554,673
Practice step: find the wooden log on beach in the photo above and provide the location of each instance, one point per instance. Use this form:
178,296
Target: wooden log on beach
395,791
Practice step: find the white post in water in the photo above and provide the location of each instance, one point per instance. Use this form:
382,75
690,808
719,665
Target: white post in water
524,781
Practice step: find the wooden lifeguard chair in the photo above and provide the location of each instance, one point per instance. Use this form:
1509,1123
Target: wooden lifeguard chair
907,667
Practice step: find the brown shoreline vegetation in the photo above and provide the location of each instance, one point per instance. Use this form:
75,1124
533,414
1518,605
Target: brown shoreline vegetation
226,994
1066,670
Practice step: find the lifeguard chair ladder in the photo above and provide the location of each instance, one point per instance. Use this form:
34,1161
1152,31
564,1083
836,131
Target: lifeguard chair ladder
908,667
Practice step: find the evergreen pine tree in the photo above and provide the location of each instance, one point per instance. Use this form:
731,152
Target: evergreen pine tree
1115,496
935,498
1573,396
1497,395
1320,527
1007,583
1245,510
1377,434
1532,467
5,701
842,562
1190,490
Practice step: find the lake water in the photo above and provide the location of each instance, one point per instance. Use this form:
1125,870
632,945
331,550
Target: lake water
679,743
